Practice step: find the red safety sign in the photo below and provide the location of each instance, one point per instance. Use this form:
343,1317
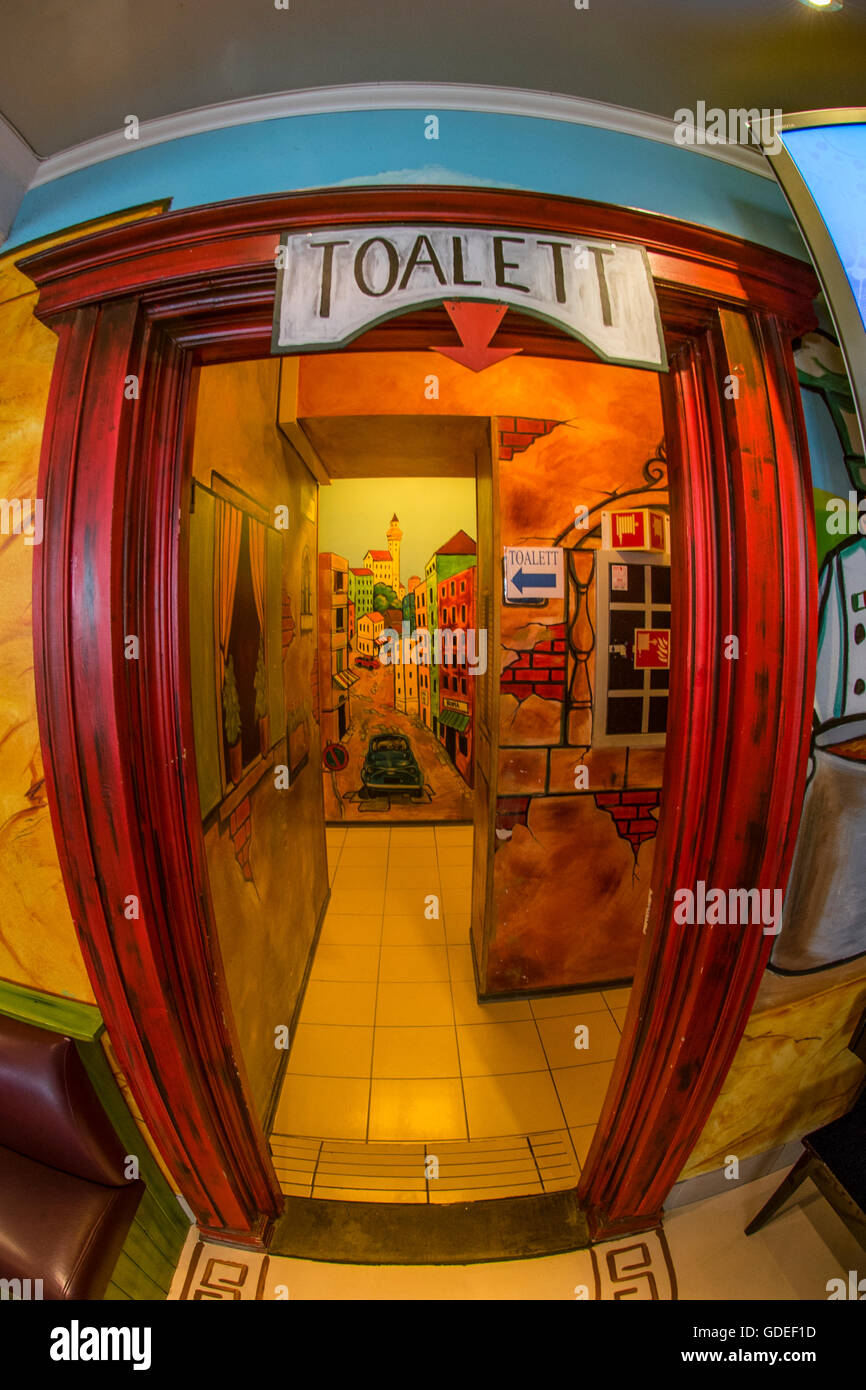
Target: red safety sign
637,530
335,757
652,648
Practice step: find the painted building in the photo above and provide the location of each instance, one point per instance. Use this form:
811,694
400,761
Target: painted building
424,675
409,600
393,619
456,605
360,582
385,564
449,559
381,565
431,612
335,676
406,682
395,536
369,629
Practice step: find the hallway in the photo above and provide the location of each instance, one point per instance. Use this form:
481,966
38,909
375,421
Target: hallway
400,1086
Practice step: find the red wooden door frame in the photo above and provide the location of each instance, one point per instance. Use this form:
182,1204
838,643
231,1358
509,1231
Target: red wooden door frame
154,299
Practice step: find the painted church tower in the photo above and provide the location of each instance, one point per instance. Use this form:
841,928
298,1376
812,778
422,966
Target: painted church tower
395,535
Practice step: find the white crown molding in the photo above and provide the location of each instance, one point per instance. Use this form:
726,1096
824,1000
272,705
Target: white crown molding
17,160
18,166
388,96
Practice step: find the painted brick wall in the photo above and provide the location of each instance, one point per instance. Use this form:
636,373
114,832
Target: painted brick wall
241,828
540,671
631,814
517,433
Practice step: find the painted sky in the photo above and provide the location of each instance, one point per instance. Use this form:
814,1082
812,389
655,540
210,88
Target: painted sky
354,515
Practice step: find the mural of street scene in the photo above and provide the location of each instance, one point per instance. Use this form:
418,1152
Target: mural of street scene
397,705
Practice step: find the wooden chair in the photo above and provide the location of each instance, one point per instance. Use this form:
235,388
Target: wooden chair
834,1157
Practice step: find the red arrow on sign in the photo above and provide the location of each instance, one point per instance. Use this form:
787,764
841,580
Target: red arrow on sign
476,324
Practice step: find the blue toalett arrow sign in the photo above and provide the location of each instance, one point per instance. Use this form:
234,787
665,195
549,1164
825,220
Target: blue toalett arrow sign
523,581
533,572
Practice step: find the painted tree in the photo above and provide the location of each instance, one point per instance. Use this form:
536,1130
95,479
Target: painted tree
231,704
261,683
384,597
409,612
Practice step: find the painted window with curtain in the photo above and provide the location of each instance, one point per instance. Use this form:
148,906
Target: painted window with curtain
239,596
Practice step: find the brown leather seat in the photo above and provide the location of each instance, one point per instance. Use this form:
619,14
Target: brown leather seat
65,1205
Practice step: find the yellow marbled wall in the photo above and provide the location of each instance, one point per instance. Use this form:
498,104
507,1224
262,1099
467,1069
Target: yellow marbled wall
38,944
792,1073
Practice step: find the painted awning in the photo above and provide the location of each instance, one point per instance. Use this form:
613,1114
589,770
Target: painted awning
454,719
345,679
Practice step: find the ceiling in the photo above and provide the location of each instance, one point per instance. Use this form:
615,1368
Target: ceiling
396,446
71,71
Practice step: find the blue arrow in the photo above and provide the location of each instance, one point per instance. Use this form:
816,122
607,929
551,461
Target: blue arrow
523,581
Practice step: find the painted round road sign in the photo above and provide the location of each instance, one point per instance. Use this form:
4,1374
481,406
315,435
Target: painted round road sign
335,757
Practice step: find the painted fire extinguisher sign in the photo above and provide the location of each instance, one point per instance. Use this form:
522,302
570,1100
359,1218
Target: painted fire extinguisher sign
652,648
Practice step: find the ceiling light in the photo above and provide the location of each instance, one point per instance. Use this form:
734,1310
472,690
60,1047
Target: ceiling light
822,4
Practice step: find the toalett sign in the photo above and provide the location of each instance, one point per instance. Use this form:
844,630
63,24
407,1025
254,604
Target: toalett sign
334,284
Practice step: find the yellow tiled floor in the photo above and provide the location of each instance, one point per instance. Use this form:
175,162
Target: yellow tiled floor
395,1065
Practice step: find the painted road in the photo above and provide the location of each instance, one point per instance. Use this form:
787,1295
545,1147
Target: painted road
371,711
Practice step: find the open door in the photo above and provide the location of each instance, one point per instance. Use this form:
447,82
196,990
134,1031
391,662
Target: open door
155,299
486,702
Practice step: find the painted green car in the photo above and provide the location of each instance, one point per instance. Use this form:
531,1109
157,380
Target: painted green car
390,766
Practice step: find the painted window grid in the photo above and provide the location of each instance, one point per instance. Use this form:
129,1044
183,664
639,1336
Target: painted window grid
630,705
